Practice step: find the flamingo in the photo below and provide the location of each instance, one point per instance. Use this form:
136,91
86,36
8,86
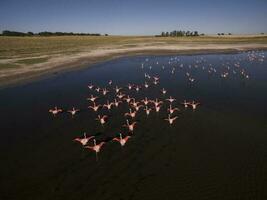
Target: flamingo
138,107
130,86
172,110
73,111
95,107
121,140
92,98
130,113
84,140
194,105
137,88
128,99
156,78
55,111
145,101
90,86
96,147
147,110
185,103
171,99
116,103
117,89
163,91
110,82
134,103
146,85
191,79
104,91
120,96
98,89
171,120
157,103
130,126
155,82
157,108
108,105
102,119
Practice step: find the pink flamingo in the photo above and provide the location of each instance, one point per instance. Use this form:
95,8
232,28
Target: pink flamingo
55,111
156,78
130,126
172,110
130,86
120,96
121,140
95,107
117,89
157,108
134,103
146,101
171,120
84,140
194,105
163,91
102,119
116,103
138,107
148,110
96,148
155,82
128,99
146,85
157,103
73,111
130,113
137,88
105,91
90,86
92,98
108,105
185,103
110,82
98,89
171,99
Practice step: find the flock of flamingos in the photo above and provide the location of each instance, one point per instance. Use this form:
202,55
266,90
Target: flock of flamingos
121,96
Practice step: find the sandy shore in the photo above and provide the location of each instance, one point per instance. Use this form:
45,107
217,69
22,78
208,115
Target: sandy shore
63,62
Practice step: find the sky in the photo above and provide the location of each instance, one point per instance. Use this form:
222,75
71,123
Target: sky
134,17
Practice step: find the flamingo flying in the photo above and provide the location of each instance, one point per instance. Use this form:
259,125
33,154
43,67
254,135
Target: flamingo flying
130,126
96,147
73,111
84,140
171,120
102,119
55,111
121,140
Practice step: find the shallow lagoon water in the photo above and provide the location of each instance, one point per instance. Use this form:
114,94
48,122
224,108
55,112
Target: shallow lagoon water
218,151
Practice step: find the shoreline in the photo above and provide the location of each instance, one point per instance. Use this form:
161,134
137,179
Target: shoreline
86,59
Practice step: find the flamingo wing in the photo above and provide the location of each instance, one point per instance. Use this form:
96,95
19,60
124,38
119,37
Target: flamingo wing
116,139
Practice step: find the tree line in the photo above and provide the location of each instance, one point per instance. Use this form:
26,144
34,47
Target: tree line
176,33
46,33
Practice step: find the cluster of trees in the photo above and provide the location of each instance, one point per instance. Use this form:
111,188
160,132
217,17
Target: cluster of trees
224,34
46,33
179,34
